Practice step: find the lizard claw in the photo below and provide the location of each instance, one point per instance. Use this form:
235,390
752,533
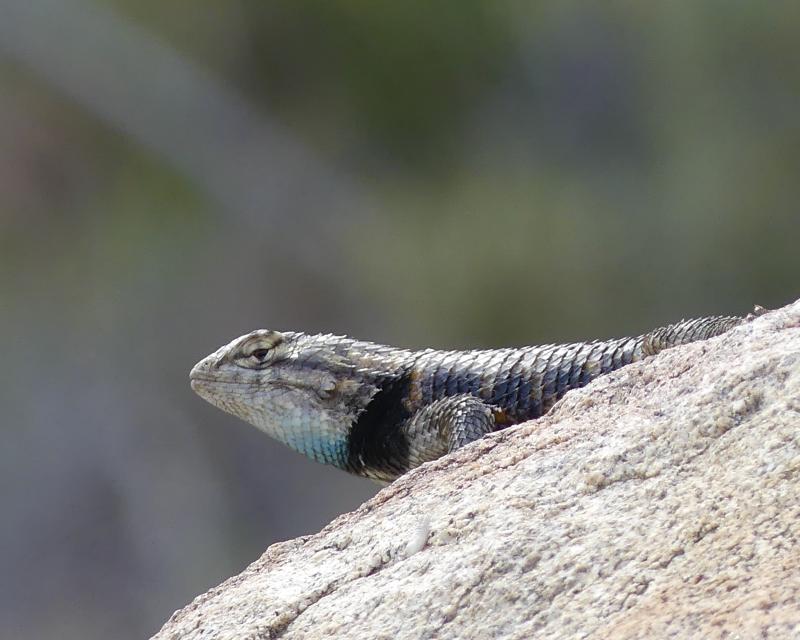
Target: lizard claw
758,310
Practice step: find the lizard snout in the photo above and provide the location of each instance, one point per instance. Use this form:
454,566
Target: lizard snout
201,371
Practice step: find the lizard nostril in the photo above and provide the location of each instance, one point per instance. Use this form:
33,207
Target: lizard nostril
201,368
196,369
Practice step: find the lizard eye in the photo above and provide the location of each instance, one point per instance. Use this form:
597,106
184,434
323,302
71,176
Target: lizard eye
260,349
260,354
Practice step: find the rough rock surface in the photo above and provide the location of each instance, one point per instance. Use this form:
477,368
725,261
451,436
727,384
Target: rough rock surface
663,500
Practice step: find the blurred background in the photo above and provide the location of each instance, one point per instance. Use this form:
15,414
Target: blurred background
470,174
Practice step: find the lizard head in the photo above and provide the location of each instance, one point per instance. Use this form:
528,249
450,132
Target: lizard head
301,390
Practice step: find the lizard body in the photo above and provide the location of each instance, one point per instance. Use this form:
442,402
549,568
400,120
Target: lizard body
378,411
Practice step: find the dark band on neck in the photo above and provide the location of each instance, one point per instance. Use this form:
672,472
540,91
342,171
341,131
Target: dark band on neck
377,441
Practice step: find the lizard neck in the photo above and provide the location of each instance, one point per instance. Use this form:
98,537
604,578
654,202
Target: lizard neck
377,445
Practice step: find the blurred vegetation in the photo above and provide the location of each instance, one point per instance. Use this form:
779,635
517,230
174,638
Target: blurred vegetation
459,174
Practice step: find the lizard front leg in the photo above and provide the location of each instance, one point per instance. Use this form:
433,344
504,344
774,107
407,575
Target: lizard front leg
446,425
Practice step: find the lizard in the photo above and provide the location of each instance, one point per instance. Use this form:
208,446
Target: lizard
378,411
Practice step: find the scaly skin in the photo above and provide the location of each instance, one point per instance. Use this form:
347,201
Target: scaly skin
377,411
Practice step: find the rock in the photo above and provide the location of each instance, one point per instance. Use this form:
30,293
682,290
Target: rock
661,500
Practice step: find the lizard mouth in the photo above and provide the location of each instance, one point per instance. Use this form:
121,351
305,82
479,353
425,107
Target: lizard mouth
199,382
203,376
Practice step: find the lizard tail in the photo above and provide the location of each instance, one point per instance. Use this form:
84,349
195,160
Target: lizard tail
691,330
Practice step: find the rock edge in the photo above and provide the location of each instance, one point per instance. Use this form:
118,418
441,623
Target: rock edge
660,500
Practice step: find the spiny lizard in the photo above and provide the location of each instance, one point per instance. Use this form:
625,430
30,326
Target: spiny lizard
378,411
